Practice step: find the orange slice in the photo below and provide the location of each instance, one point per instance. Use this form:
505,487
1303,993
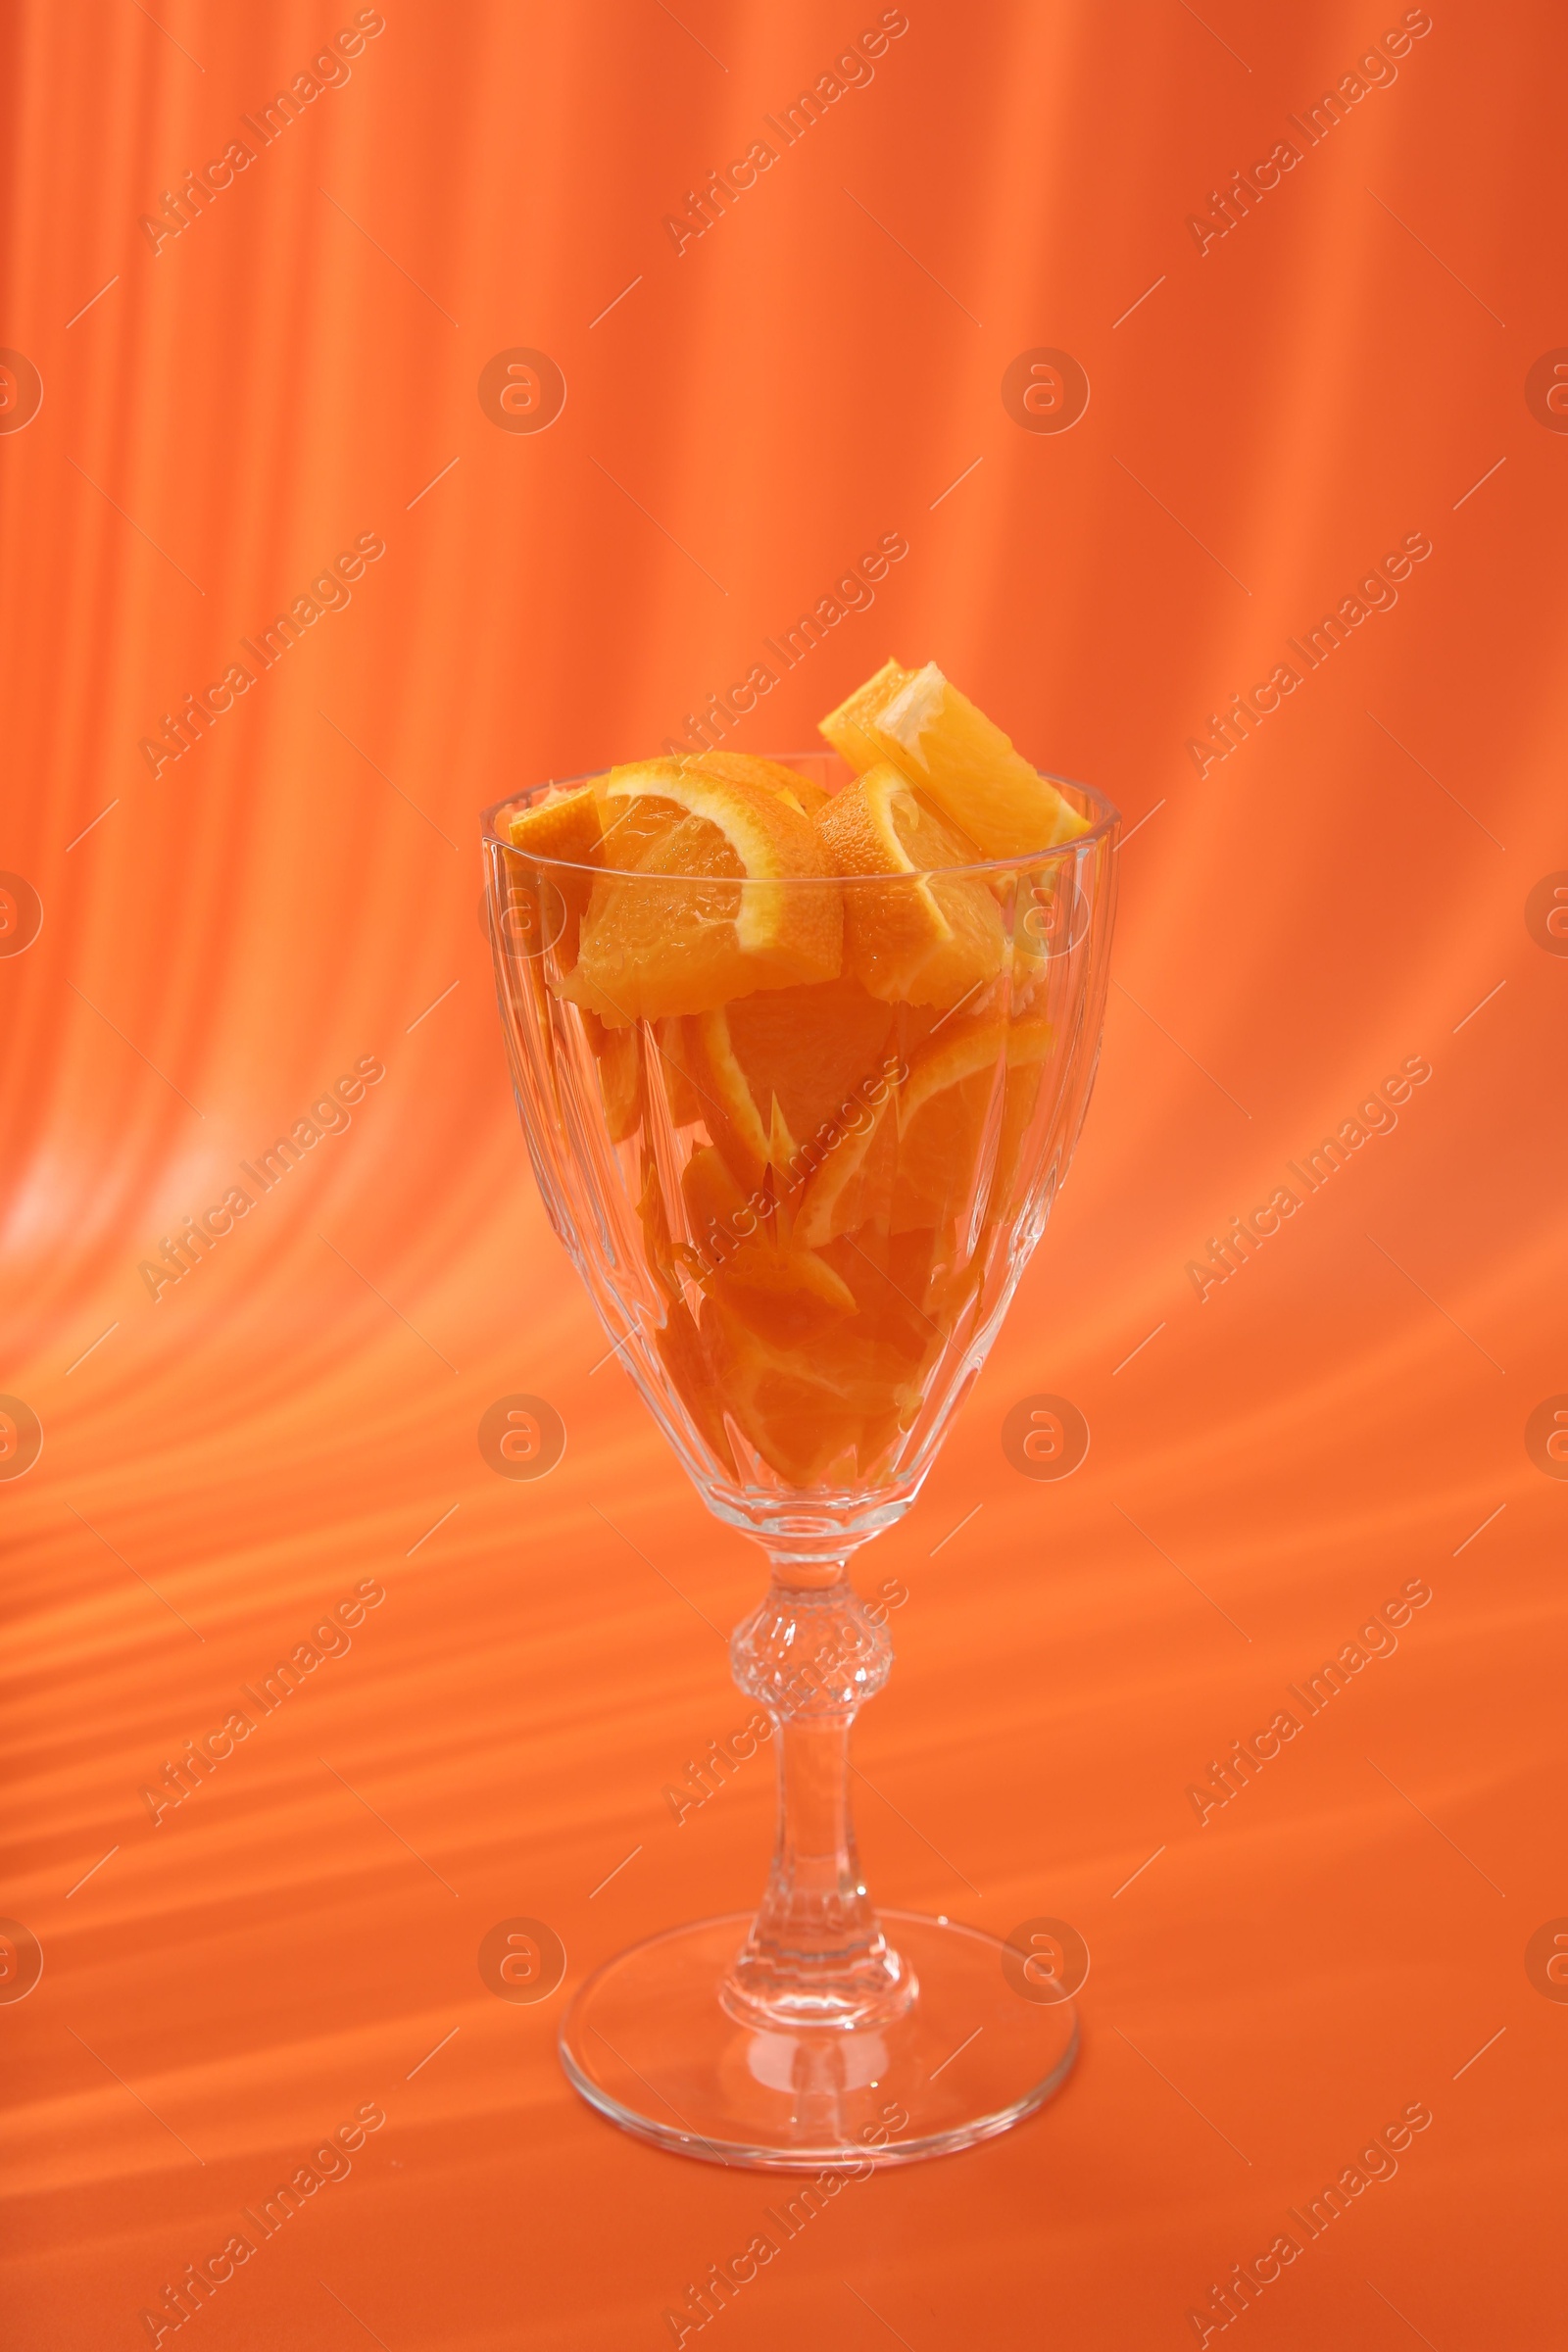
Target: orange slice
620,1077
784,1293
787,1297
851,1172
917,941
782,1062
631,824
714,1201
947,1110
964,1104
715,906
968,767
669,1072
547,900
687,1360
769,775
564,826
1018,1157
621,1081
905,1287
823,1413
849,728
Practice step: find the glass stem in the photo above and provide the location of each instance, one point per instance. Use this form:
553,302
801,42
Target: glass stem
810,1656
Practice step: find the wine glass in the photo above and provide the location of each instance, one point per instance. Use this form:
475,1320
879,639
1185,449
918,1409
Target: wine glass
803,1304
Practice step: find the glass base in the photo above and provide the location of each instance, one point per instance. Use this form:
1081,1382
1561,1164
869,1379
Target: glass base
647,2042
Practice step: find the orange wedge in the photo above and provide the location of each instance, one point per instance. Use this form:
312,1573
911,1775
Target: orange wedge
687,1359
564,826
713,1199
905,1287
966,1102
917,941
782,1291
769,775
807,797
708,912
631,824
968,767
621,1076
820,1413
787,1296
949,1112
549,899
851,1172
669,1072
780,1064
849,728
1019,1161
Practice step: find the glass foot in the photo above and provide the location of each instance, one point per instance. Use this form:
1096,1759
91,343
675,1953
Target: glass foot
647,2042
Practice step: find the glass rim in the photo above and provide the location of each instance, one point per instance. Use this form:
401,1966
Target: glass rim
1105,819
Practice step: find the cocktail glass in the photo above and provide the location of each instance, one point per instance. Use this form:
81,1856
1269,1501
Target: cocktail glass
817,2035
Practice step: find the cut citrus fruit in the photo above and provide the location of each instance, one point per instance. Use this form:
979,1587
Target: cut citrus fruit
1029,1045
807,797
621,1076
564,826
713,1199
669,1070
714,907
631,823
787,1297
817,1052
816,1413
851,1173
621,1081
769,776
904,1287
781,1063
948,1111
849,728
968,767
688,1365
916,940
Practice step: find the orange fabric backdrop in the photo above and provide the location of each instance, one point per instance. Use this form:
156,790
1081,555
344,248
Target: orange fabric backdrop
296,371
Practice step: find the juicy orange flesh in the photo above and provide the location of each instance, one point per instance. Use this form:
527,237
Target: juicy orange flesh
853,1084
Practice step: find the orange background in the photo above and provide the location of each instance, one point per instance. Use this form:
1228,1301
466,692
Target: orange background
292,370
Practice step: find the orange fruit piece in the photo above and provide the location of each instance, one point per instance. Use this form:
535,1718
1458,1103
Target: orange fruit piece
787,1297
631,824
849,728
564,826
687,1359
965,762
780,1064
769,775
714,1198
953,1120
1029,1045
903,1289
621,1076
669,1072
945,1107
781,1291
823,1413
714,907
931,939
853,1169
